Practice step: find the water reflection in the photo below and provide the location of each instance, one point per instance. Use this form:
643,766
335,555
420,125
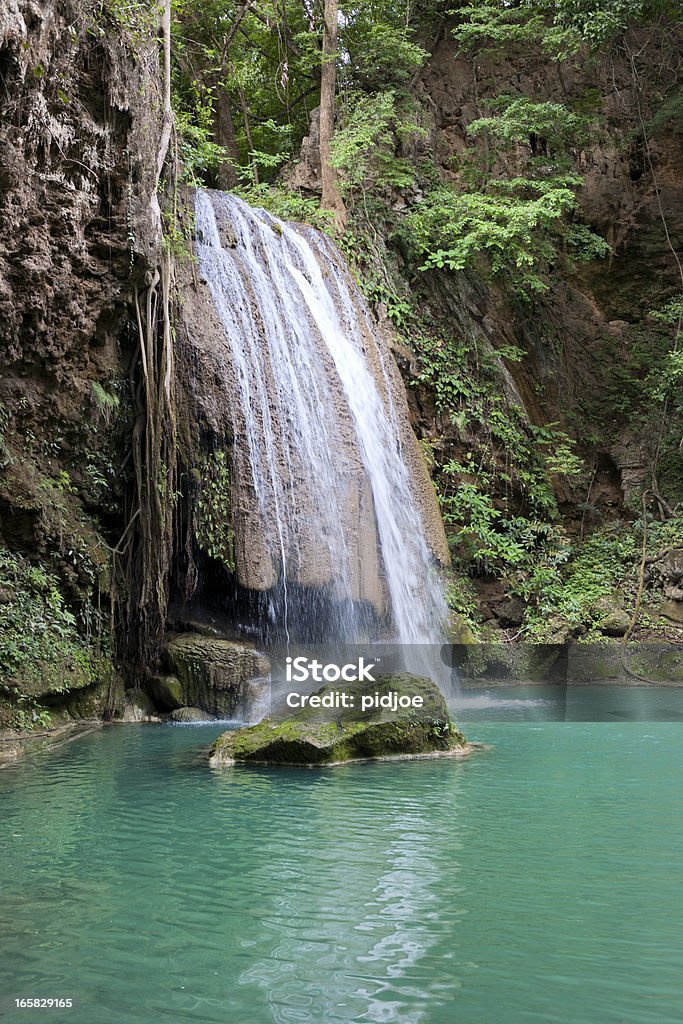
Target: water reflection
349,934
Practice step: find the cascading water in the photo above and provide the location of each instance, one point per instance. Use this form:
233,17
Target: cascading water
328,480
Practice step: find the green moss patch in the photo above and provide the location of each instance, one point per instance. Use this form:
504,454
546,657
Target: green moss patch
307,739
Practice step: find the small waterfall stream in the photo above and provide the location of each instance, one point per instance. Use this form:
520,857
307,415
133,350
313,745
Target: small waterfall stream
334,507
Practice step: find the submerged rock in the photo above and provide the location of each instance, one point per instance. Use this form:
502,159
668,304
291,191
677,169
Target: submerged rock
320,736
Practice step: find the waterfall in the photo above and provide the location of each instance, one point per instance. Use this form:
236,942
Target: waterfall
335,519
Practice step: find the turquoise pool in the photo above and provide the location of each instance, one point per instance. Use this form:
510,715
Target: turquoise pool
537,881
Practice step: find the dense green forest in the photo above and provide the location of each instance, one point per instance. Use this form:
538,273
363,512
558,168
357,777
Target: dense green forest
502,179
503,209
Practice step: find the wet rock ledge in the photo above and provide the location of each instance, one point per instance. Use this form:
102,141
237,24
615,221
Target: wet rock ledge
321,736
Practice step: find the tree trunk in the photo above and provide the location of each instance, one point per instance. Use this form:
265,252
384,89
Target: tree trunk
167,110
331,198
224,135
247,132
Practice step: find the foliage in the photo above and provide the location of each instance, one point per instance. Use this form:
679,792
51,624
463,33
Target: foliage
519,117
671,313
224,51
597,21
506,27
496,495
40,647
465,378
378,44
600,565
106,402
214,529
363,150
246,77
583,245
515,224
200,156
558,27
461,598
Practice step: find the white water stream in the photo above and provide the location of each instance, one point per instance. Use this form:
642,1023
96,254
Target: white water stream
317,428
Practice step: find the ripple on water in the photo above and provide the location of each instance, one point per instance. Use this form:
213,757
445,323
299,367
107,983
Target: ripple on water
536,882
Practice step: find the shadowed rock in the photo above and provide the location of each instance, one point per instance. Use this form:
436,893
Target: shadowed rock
213,674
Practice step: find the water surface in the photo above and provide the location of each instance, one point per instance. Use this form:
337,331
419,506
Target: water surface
537,881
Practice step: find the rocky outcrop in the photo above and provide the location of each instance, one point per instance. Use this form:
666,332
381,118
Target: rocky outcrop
666,571
640,664
317,736
594,322
80,232
212,674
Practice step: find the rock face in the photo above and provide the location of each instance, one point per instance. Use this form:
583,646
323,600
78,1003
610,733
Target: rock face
80,114
313,737
648,664
667,571
76,219
212,674
334,518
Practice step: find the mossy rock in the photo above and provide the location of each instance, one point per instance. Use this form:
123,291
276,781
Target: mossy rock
213,672
509,664
460,632
638,664
308,737
611,618
103,699
167,692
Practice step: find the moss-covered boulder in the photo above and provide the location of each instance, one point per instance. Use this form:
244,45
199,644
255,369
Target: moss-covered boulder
673,611
167,691
103,699
481,665
611,618
321,735
213,673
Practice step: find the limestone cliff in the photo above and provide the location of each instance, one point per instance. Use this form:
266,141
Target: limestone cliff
80,113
